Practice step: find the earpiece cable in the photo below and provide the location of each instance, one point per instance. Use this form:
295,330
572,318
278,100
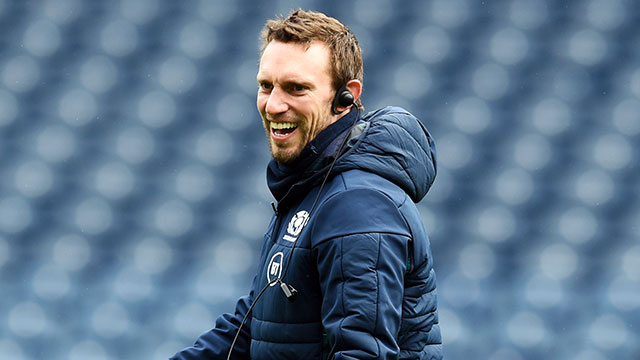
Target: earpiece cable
284,273
324,181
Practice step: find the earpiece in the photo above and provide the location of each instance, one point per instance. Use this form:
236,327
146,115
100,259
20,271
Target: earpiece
343,98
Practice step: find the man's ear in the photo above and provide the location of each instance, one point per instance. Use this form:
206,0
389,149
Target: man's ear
355,88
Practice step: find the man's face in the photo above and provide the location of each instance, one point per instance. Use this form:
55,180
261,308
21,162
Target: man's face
294,96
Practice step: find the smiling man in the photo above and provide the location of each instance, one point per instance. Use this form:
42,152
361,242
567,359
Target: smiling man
295,85
346,270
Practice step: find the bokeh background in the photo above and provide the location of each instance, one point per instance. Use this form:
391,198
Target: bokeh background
133,198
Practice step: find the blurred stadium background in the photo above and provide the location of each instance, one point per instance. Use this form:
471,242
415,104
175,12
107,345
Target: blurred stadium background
133,196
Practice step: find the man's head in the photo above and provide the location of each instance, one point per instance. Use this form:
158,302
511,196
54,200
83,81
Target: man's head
306,58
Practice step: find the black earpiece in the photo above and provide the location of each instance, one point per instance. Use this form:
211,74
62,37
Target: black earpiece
343,98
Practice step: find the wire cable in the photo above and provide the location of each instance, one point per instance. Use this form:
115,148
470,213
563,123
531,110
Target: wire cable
284,273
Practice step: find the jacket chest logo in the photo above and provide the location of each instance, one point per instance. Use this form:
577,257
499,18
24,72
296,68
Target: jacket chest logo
296,224
274,269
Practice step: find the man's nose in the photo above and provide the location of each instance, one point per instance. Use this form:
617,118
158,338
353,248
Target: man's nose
276,103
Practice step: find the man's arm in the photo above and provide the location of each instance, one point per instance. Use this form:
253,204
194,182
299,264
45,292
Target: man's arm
362,284
361,273
215,343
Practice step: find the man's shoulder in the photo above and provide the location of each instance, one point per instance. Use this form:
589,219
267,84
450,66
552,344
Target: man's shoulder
362,179
360,202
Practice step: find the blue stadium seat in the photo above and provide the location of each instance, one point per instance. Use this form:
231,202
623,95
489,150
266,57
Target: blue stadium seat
134,201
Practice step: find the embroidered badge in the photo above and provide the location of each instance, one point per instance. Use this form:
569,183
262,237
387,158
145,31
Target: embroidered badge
296,224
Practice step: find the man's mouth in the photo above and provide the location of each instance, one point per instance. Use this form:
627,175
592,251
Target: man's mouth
282,130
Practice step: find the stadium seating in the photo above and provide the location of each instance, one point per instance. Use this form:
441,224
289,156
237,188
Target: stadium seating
133,198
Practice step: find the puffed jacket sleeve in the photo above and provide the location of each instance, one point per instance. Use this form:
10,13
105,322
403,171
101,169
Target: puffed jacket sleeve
215,343
361,244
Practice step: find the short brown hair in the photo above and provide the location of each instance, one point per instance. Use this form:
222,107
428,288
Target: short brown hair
306,26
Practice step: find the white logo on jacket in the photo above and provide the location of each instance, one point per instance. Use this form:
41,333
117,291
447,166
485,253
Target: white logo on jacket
274,269
296,224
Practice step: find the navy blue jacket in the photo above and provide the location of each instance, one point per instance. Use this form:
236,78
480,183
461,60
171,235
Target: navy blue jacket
361,262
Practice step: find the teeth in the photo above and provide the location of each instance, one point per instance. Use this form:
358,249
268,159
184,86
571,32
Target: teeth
275,125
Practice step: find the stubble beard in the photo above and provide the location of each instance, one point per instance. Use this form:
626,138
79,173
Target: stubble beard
288,154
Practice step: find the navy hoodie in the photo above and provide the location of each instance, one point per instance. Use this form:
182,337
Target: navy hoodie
360,259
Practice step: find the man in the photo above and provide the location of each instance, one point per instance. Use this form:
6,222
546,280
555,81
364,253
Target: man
346,270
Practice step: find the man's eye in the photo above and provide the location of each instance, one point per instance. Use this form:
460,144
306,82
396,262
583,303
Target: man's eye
265,86
298,88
